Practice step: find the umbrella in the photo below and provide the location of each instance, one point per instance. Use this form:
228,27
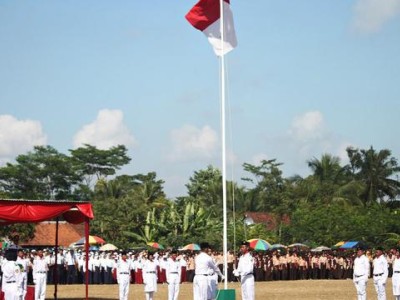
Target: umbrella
338,244
259,244
155,245
93,240
108,247
352,244
278,246
298,246
320,249
191,247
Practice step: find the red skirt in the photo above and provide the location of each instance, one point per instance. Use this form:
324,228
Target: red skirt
162,277
183,274
139,276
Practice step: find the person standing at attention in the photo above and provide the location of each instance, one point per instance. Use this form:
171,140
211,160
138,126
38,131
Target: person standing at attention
360,274
396,275
39,271
173,274
380,273
245,270
123,271
150,276
23,263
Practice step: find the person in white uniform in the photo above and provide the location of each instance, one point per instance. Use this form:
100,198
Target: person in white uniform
23,263
380,273
203,266
12,277
124,267
173,273
150,276
396,276
39,273
360,274
245,270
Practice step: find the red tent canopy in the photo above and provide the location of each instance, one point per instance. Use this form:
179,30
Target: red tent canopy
34,211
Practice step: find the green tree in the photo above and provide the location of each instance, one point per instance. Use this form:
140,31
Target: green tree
41,174
205,186
269,184
90,161
375,170
327,169
127,209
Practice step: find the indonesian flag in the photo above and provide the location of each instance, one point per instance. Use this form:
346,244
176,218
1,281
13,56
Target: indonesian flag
206,17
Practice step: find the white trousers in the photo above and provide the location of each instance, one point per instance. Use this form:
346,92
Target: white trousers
200,287
123,286
11,291
248,287
212,286
173,287
361,288
380,287
40,286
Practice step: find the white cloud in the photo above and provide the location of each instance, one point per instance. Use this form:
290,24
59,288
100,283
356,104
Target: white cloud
309,135
106,131
192,143
309,126
19,136
371,15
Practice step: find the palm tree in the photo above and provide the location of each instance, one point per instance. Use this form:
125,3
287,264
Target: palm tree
375,170
328,169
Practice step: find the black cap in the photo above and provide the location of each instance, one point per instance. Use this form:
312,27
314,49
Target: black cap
245,243
204,245
379,248
11,253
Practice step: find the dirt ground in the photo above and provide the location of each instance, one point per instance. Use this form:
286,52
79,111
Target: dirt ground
282,290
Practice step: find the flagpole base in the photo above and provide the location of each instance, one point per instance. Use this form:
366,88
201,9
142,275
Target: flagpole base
228,294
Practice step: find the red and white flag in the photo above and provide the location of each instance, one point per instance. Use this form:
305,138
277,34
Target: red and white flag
206,17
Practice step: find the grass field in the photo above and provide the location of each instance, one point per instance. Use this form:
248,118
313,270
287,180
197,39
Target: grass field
282,290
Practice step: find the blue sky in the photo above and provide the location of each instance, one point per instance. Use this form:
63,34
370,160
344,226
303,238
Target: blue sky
307,78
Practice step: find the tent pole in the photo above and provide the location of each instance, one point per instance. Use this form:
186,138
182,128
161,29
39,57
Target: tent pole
55,274
87,256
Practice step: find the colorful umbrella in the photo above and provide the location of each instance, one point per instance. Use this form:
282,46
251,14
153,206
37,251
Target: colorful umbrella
93,240
155,245
338,244
352,244
191,247
320,249
108,247
259,244
298,246
278,246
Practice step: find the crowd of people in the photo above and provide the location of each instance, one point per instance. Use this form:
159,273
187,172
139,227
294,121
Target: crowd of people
42,267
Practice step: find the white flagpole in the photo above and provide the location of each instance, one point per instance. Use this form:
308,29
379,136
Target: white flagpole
225,228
